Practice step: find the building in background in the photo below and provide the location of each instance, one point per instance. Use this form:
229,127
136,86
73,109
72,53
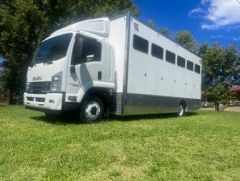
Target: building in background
236,89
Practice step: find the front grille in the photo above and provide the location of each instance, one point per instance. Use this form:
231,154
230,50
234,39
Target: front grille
30,98
39,87
38,99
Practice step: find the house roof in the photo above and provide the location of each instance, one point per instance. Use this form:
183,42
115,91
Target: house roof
235,89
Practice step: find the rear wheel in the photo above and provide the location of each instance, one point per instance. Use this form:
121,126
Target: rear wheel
182,109
91,110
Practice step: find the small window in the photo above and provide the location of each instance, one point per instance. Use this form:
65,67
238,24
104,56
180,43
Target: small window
140,44
170,57
190,65
157,51
181,61
197,68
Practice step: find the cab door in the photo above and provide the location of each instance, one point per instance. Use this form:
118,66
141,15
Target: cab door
91,65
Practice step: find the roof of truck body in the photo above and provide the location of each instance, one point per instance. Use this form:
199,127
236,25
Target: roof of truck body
76,27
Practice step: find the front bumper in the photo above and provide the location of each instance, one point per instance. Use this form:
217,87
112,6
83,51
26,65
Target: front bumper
44,102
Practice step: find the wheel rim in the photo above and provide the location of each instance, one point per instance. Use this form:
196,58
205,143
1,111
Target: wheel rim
93,110
181,110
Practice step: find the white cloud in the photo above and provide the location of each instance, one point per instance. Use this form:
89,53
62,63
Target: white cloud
198,12
204,2
218,13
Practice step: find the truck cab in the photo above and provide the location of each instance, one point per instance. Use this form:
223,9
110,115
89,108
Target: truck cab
73,67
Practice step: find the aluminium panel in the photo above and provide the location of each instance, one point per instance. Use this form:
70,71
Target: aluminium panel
148,104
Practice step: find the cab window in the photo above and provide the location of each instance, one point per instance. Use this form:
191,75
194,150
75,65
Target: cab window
86,50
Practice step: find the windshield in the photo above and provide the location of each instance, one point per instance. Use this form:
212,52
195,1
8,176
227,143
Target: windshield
52,49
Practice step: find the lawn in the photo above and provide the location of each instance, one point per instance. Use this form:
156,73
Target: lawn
202,146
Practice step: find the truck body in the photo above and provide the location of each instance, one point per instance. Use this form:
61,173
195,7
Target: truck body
119,65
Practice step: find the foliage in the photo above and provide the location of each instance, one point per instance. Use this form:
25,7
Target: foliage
24,23
161,147
1,82
236,76
219,66
186,39
151,24
164,31
21,24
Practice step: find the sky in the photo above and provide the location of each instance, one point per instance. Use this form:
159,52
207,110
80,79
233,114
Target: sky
212,21
1,59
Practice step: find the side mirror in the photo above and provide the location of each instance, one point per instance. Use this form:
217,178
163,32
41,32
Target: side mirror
90,58
31,64
72,69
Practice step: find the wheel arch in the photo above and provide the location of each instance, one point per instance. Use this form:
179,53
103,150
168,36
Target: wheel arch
183,103
102,93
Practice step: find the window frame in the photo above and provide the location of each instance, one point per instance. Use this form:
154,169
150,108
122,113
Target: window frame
198,72
191,63
160,49
168,52
179,58
81,58
144,49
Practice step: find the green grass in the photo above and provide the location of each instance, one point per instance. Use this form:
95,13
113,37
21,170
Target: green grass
203,146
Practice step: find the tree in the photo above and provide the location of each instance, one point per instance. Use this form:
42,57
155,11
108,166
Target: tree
164,31
1,83
186,39
218,68
236,76
151,24
21,24
24,23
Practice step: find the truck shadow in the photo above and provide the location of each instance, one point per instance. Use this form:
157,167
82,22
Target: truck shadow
148,117
70,119
58,120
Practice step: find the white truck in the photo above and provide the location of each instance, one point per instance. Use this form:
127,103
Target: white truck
118,66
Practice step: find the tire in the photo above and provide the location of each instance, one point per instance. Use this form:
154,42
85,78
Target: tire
91,110
49,115
182,110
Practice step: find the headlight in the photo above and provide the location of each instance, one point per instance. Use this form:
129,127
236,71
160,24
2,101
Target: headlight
56,84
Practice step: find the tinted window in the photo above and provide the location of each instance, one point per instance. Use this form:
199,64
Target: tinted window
170,57
140,44
189,65
197,68
52,49
157,51
92,50
181,61
86,50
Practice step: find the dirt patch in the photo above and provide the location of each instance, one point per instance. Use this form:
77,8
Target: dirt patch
233,109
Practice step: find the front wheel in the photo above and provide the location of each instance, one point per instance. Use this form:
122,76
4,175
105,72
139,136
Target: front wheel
91,110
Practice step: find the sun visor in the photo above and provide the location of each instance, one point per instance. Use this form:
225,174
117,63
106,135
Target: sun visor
100,27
